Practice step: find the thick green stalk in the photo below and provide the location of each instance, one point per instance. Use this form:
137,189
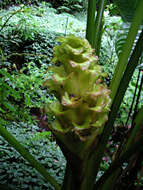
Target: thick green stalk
25,154
89,179
117,101
79,168
78,175
73,144
127,48
68,181
98,47
90,28
99,26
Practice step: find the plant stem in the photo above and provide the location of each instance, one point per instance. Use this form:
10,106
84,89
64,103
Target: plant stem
68,182
133,98
99,26
90,29
138,96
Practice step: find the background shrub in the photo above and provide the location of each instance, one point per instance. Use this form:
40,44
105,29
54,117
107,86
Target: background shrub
16,172
65,5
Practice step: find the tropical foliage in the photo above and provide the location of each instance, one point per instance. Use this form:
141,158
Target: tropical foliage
75,104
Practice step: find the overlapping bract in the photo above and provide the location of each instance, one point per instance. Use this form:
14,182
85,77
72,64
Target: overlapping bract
82,99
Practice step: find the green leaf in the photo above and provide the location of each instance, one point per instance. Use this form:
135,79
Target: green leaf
127,8
57,126
2,121
1,110
13,92
5,73
120,41
9,106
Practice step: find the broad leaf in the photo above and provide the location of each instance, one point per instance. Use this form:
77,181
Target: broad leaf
127,8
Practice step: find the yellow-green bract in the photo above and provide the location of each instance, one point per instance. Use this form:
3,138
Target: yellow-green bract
82,98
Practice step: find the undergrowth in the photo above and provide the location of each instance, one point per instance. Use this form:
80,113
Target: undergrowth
16,172
26,47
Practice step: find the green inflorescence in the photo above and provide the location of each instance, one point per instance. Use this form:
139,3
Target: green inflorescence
83,100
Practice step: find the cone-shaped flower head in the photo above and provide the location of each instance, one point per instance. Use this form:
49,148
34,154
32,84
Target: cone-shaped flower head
82,98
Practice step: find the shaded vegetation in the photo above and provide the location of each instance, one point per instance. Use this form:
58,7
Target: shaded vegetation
16,172
28,34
